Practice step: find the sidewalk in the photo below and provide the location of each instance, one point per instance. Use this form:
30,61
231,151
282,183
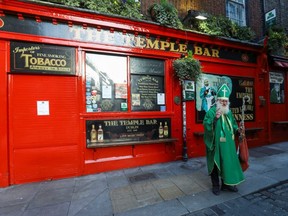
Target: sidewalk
170,189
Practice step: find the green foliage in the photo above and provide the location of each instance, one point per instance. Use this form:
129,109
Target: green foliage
277,41
187,68
165,14
222,26
73,3
129,8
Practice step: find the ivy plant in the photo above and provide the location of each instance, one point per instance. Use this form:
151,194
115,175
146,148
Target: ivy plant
165,14
277,41
222,26
128,8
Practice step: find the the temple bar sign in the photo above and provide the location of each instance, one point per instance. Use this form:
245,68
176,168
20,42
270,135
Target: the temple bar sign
42,58
92,35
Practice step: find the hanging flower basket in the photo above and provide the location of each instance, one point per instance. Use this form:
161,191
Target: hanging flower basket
187,68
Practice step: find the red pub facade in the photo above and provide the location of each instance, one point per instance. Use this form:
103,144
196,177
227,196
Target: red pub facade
84,93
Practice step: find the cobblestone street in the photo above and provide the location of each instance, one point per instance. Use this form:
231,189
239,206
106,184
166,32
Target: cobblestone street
269,201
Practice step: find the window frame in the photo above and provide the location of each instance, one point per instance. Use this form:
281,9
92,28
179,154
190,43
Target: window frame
240,16
129,110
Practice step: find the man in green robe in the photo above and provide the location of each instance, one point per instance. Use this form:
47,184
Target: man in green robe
220,128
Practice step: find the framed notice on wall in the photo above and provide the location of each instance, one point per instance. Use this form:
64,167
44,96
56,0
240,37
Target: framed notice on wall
277,87
42,58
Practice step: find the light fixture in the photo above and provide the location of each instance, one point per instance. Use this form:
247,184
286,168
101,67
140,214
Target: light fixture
201,17
193,18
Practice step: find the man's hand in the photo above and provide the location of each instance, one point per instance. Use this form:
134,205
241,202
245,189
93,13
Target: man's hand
218,114
241,128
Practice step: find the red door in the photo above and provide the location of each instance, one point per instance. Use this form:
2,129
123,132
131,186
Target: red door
43,127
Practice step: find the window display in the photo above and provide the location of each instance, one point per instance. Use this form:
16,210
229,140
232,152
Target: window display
106,83
107,88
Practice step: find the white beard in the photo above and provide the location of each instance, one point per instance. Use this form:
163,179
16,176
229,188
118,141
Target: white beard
221,108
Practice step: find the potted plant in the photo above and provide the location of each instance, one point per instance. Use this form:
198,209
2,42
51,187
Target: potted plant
165,13
187,68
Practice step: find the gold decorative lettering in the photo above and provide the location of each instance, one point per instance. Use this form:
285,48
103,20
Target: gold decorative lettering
164,45
140,42
152,45
215,53
206,52
183,48
198,50
172,47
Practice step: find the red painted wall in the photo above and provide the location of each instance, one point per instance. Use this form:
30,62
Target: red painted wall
4,159
43,147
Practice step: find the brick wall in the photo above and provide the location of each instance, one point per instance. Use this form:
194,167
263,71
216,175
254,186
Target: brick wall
255,17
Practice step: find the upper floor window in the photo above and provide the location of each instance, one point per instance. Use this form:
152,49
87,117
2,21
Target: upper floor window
235,11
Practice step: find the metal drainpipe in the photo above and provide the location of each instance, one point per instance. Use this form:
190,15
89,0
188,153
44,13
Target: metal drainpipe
184,153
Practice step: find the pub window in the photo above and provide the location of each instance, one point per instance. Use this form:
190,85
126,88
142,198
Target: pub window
277,87
107,87
235,11
106,83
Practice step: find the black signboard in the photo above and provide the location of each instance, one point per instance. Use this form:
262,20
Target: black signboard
121,130
146,66
42,58
147,84
145,92
91,34
240,87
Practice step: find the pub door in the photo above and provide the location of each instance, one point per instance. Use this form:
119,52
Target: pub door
43,127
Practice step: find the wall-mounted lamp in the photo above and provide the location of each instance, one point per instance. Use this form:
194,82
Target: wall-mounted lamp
201,17
194,16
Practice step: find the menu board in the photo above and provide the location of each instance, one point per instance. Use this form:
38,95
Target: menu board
147,84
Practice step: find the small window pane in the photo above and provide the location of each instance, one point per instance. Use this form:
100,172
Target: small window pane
106,83
236,12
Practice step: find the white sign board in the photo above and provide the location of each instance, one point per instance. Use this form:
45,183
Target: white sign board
270,15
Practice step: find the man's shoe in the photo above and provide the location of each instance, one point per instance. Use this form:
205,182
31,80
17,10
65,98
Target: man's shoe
216,190
229,188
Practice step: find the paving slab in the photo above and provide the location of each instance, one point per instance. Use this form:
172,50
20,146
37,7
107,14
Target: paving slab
205,199
167,208
278,174
53,210
186,185
255,183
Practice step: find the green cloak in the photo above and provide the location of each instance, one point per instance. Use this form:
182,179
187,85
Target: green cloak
221,148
